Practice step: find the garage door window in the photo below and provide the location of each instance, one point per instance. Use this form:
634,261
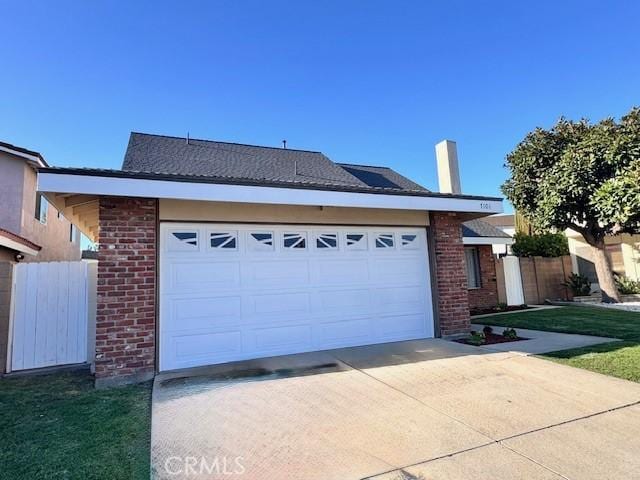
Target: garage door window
409,241
224,240
327,241
294,241
384,240
261,242
356,241
183,241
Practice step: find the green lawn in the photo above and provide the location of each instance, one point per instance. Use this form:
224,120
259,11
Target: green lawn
60,427
619,359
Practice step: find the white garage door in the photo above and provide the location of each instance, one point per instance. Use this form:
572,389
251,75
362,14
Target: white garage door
235,292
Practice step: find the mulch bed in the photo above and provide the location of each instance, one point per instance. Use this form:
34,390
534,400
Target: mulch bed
490,339
486,311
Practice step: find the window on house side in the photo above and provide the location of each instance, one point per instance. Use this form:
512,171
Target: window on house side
72,233
41,208
472,261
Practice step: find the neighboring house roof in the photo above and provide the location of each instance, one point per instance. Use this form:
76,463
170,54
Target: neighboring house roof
479,232
500,220
30,155
15,242
176,156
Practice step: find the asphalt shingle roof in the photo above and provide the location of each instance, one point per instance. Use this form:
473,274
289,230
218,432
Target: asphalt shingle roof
159,154
479,228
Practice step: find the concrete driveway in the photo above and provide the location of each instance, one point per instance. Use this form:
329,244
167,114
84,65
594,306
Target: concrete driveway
428,409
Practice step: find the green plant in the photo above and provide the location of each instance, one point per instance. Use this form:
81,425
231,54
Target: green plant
583,176
477,338
540,245
578,284
510,333
487,330
626,286
501,306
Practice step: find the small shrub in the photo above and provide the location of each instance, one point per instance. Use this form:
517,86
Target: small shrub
510,333
578,284
542,245
477,338
501,306
487,330
626,286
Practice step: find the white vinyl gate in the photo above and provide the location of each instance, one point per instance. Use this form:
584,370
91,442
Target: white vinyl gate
49,321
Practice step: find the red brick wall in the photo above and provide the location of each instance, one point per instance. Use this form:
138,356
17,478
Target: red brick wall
451,277
126,319
487,295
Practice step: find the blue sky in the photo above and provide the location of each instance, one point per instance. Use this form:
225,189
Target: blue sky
365,82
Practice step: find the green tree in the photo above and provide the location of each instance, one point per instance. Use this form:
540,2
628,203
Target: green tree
581,176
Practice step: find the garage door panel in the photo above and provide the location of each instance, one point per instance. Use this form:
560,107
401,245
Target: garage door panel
197,276
345,332
209,347
394,326
278,273
342,271
396,269
249,295
207,312
399,299
281,303
338,301
284,337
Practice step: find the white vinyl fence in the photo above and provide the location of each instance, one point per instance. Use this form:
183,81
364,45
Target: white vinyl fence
49,321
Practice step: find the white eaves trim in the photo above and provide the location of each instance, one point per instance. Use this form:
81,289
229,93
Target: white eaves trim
32,158
17,246
136,187
487,241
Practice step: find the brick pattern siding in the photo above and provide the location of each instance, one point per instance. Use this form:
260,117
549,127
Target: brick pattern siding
451,277
125,317
487,295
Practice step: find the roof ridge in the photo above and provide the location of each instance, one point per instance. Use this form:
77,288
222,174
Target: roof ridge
361,165
227,143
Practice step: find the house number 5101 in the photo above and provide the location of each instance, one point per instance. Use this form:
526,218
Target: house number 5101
484,206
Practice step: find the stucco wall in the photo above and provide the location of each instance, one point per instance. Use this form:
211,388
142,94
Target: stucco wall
11,186
53,236
186,210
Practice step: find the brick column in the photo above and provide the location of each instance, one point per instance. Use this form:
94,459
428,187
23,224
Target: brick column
451,274
487,295
126,300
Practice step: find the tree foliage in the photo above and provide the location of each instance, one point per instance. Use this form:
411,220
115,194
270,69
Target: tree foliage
583,176
579,175
542,245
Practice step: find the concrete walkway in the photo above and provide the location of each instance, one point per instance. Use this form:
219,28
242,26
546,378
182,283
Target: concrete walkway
428,409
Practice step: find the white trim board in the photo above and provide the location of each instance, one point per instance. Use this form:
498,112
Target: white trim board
17,246
136,187
32,158
487,241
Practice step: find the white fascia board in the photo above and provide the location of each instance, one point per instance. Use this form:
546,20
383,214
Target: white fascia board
136,187
487,241
32,158
17,246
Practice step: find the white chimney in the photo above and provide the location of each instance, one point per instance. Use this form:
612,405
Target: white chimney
448,173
